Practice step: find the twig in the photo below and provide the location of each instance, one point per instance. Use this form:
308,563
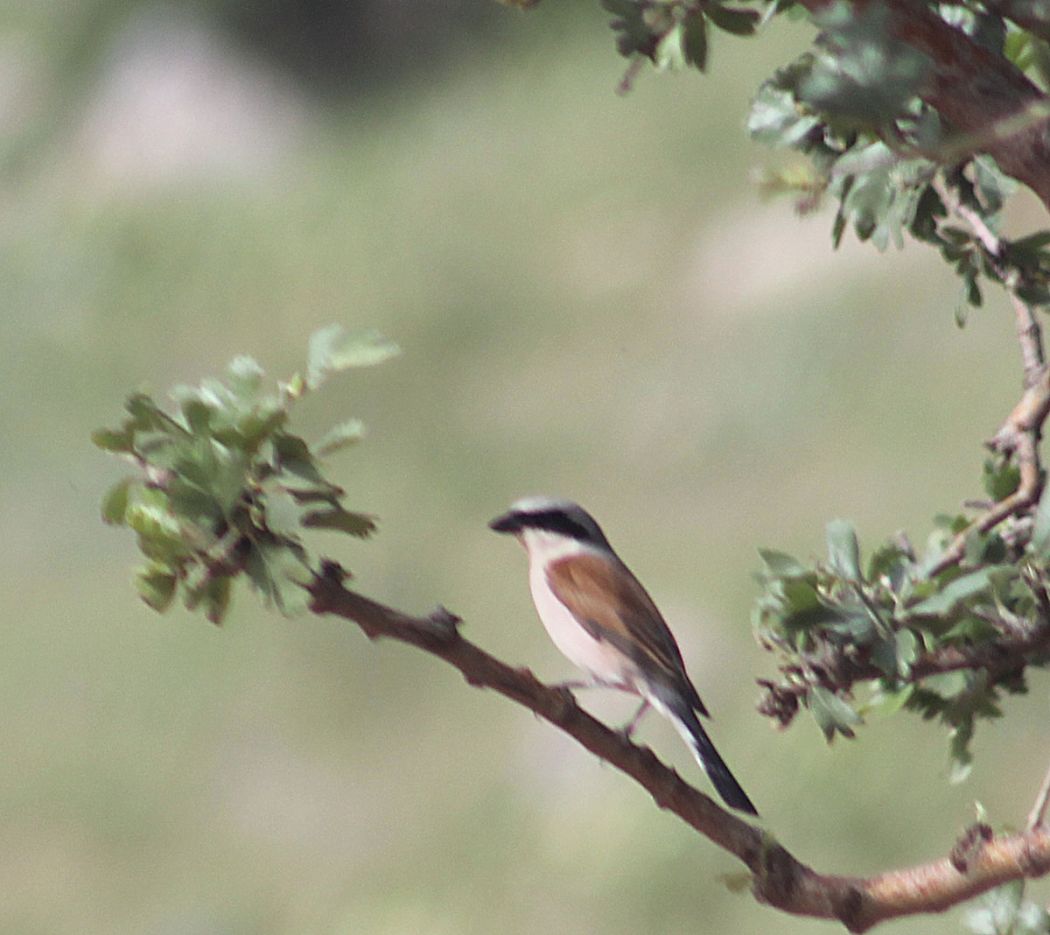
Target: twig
778,878
839,673
1018,436
1037,815
1029,335
973,89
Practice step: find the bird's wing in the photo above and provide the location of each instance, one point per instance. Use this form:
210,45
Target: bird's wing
612,606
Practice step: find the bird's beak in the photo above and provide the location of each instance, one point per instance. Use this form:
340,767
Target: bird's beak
508,522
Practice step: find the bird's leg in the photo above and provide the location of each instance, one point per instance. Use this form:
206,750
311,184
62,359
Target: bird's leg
573,684
630,726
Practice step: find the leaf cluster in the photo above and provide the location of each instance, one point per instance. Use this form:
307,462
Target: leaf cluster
223,487
675,33
945,645
852,108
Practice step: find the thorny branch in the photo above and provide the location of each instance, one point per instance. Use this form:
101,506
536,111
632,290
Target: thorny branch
778,879
839,670
1018,437
837,667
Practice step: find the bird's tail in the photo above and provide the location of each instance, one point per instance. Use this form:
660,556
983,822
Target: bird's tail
688,725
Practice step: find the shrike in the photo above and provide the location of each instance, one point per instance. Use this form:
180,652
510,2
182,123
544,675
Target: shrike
599,615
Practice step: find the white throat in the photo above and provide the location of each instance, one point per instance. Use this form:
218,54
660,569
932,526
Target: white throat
544,547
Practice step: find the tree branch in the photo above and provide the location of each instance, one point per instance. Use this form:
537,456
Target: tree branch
839,672
977,93
778,878
1018,437
973,88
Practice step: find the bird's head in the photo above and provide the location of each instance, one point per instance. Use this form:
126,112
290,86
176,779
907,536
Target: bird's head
546,525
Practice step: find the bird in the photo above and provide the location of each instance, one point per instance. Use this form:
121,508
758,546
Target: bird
601,618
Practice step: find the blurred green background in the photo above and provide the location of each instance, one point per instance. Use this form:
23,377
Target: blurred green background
592,301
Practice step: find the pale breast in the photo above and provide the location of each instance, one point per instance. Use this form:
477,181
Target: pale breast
600,659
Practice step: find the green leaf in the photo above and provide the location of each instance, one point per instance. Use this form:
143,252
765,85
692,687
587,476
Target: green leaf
295,387
908,650
197,415
776,118
984,548
294,456
193,504
214,594
143,411
340,520
669,53
334,348
1031,245
113,440
889,701
959,749
843,549
280,572
345,434
147,416
864,75
832,714
884,657
798,594
1001,478
115,502
857,625
694,39
891,563
156,586
283,512
159,534
991,184
218,470
954,593
947,685
734,20
1040,541
259,424
780,564
217,599
895,655
245,378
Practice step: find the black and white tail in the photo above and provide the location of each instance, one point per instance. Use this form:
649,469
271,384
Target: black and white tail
688,725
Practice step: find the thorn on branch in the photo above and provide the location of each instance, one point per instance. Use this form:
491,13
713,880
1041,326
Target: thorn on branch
444,623
567,700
